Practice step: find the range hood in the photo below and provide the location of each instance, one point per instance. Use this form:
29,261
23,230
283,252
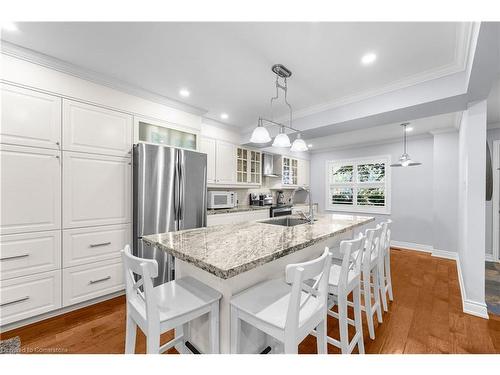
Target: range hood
268,166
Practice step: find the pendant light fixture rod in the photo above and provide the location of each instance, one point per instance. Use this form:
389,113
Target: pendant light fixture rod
261,119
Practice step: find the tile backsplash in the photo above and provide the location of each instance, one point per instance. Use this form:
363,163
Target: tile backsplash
244,194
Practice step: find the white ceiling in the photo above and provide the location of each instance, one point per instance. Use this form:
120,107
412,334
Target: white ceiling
226,66
386,133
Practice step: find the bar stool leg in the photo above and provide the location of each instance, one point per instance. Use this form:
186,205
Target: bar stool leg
356,294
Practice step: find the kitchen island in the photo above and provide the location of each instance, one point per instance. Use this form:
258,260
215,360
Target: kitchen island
233,257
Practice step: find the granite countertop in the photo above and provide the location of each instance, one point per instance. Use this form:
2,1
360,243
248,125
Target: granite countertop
228,250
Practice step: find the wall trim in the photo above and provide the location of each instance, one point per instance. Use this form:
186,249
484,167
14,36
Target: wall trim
469,306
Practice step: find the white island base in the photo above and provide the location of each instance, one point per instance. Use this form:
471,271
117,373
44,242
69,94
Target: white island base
252,340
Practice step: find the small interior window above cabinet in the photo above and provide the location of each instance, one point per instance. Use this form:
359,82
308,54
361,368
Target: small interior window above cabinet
151,133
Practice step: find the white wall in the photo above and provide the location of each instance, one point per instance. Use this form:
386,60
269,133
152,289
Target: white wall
491,135
445,191
471,208
412,188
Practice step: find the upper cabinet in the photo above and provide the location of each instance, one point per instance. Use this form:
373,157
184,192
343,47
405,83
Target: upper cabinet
225,162
294,172
303,172
164,133
89,128
30,186
30,118
208,146
248,167
228,164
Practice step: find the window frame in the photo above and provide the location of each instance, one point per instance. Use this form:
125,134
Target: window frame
383,210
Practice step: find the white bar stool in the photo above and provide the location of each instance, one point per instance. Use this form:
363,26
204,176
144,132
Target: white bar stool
344,279
369,272
384,269
286,312
164,307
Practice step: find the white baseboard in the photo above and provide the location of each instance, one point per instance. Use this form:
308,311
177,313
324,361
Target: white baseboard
426,249
412,246
468,306
489,258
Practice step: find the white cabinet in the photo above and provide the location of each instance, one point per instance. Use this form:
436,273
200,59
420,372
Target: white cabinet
208,146
82,283
30,118
228,164
87,245
24,297
303,172
237,217
88,128
225,163
97,190
30,189
29,253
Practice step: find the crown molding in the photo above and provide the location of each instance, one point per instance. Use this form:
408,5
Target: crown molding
54,63
463,43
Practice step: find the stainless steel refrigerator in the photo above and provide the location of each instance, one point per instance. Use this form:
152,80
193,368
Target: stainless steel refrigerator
170,193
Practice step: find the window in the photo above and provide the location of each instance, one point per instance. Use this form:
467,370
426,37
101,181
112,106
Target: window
359,185
166,136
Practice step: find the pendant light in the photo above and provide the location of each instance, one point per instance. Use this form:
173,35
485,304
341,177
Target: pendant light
282,140
299,145
260,134
405,159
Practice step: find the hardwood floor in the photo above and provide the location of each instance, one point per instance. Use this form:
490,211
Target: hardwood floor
425,317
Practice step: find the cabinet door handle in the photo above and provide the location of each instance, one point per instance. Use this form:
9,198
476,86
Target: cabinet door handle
99,280
100,244
15,301
15,257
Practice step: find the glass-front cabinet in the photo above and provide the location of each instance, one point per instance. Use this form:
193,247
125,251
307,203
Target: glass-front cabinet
290,168
241,165
164,134
255,167
248,166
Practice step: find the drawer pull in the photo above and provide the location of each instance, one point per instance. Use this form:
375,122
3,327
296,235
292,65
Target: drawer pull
100,244
15,257
100,280
16,301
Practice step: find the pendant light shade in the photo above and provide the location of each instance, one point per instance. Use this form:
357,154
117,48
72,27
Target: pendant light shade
299,145
405,159
282,139
260,134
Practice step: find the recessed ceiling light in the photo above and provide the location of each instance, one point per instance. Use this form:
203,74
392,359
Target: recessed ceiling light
224,116
368,58
409,129
9,26
184,93
309,145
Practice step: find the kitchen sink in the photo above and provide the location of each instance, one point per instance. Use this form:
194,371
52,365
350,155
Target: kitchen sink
286,221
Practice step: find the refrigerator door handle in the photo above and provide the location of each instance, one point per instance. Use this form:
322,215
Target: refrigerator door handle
181,184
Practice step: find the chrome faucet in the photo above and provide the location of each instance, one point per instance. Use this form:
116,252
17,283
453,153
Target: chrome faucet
310,217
